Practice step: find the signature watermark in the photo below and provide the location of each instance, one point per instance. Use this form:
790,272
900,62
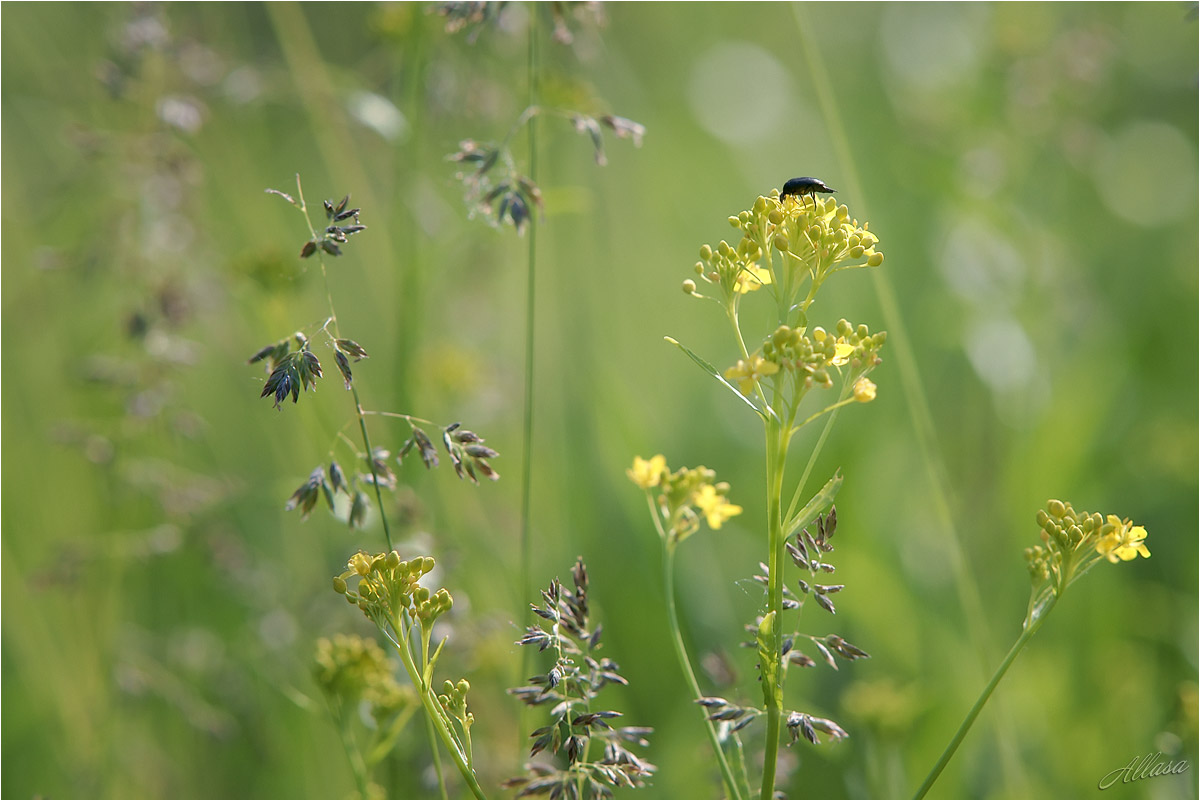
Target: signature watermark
1144,767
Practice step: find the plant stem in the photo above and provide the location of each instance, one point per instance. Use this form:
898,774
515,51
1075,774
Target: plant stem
433,711
362,425
685,664
777,444
816,451
437,757
358,409
526,546
357,766
1033,623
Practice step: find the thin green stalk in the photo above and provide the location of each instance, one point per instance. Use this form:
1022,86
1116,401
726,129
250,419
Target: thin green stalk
812,457
362,425
1033,624
917,402
913,388
777,445
742,772
526,547
358,409
437,757
357,766
681,654
433,712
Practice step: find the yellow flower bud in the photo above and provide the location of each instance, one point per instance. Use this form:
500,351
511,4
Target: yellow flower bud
689,287
875,259
864,390
706,252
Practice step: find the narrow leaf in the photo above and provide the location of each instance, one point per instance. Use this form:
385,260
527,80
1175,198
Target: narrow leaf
822,500
712,371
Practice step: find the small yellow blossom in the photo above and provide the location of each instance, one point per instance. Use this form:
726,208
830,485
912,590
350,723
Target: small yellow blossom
864,390
647,474
843,350
1124,541
715,508
748,373
751,278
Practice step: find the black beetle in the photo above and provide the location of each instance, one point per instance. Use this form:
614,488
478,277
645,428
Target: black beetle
805,186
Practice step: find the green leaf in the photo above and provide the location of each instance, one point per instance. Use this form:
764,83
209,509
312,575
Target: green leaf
712,371
768,660
817,504
433,660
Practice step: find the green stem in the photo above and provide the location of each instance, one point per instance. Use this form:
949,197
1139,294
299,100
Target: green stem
362,425
433,712
812,457
526,546
358,409
777,445
685,664
1033,623
357,766
437,758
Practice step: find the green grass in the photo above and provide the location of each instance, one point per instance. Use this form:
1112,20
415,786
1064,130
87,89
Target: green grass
160,608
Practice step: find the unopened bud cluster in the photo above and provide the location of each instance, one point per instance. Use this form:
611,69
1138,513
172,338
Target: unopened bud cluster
453,699
1073,541
388,586
807,357
735,271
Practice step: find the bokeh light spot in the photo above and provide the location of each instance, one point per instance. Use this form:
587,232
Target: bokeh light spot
739,92
933,45
1001,353
1147,174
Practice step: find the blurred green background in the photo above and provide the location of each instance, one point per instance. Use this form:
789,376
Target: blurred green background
1030,170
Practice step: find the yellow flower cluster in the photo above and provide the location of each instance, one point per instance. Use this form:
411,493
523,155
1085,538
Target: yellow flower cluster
388,586
350,667
808,357
685,496
1074,541
815,238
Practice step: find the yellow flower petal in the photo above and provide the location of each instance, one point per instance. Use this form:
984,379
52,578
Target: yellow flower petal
842,353
715,508
751,278
1123,542
647,473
